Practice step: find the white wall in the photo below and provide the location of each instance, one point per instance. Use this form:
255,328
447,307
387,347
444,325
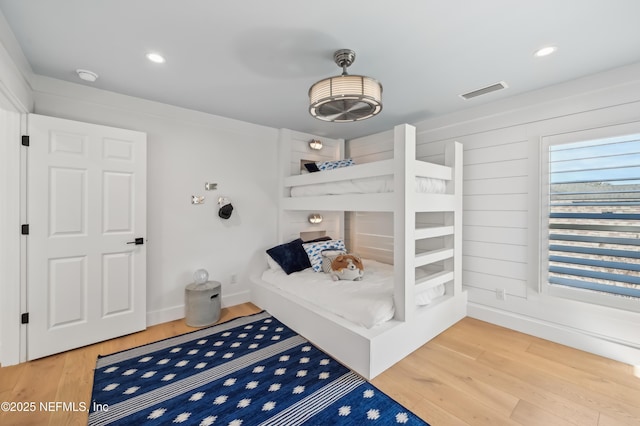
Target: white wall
15,92
15,98
185,150
10,238
501,204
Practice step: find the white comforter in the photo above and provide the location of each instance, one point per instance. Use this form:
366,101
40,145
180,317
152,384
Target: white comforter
366,186
368,302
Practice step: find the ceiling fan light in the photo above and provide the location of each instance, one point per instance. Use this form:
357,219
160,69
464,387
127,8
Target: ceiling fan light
345,98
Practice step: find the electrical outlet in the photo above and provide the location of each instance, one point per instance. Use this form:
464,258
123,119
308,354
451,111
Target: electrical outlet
501,294
234,278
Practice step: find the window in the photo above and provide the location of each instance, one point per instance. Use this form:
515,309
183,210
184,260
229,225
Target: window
591,219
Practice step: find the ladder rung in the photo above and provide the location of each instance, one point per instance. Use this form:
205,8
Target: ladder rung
435,203
433,280
433,256
433,231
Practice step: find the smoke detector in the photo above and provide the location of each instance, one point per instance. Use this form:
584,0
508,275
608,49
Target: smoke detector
87,75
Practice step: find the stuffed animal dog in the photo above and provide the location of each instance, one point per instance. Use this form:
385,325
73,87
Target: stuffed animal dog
347,267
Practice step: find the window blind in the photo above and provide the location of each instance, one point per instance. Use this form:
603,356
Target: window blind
594,216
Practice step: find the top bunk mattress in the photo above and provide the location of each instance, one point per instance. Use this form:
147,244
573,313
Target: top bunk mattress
371,185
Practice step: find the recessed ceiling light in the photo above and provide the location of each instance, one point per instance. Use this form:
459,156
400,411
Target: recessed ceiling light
87,75
155,57
545,51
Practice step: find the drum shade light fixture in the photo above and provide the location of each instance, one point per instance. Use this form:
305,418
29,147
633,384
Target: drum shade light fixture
345,98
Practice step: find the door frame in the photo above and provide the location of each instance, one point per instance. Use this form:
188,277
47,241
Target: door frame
13,262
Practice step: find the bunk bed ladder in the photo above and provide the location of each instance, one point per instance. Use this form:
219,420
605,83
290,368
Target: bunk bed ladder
450,230
406,233
426,258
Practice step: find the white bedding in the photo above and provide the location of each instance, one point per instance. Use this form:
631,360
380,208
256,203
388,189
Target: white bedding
368,302
370,185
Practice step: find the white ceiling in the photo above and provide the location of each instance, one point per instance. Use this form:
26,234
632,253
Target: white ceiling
254,60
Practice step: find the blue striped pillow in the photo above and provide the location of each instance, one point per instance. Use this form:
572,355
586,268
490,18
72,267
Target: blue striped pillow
330,165
314,251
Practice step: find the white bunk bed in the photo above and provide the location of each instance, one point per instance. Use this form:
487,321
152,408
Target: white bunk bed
370,351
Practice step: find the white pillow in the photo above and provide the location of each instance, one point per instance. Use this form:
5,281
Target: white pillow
273,264
426,297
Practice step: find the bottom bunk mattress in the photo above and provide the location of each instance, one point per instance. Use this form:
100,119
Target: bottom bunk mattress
368,302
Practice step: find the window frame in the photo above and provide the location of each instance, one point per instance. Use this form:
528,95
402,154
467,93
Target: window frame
544,287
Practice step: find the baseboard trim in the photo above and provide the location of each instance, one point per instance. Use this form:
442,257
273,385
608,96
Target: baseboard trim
177,312
236,298
558,333
165,315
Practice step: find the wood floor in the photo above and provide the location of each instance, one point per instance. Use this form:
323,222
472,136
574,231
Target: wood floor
474,373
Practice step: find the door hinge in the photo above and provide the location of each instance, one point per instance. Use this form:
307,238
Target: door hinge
25,140
25,229
24,318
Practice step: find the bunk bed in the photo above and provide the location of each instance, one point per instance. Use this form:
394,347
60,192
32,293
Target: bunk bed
370,351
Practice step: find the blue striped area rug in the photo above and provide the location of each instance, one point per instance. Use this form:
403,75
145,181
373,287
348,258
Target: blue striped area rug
251,370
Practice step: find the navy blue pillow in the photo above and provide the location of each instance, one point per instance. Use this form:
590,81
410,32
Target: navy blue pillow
316,240
290,256
311,167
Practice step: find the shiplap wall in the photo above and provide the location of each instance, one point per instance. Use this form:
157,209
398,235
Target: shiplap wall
294,148
501,232
370,234
501,240
495,212
496,187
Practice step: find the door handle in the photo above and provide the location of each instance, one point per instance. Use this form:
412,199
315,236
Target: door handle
137,241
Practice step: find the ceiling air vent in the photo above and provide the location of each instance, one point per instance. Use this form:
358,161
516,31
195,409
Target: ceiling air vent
483,91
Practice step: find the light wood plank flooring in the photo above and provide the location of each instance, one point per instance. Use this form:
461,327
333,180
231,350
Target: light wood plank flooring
474,373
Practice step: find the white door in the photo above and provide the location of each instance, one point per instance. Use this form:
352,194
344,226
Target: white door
86,205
